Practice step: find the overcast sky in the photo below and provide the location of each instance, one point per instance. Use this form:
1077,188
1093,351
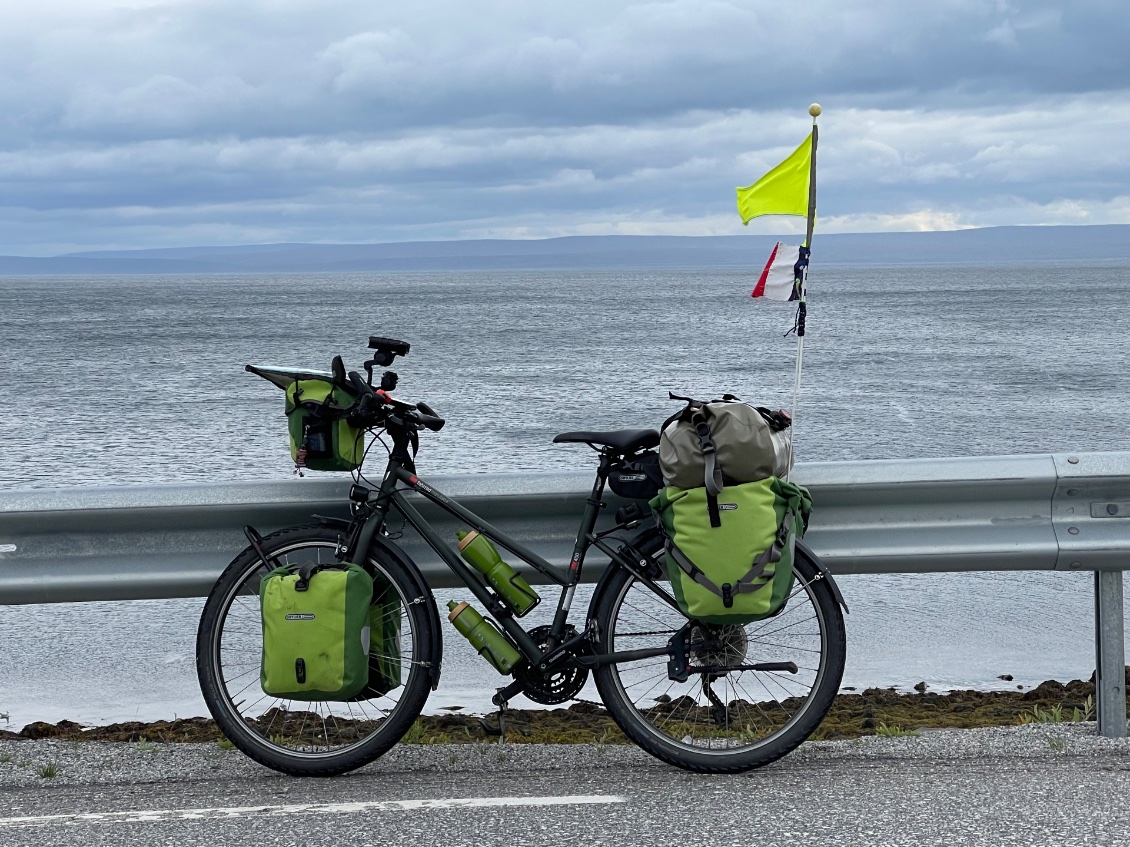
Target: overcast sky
145,124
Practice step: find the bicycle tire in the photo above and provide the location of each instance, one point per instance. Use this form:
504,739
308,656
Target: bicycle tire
765,714
307,738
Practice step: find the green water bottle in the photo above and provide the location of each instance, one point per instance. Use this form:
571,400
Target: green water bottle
510,585
484,637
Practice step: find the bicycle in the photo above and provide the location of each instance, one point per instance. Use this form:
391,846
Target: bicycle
707,698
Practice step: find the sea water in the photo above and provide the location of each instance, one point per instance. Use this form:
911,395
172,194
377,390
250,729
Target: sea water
139,379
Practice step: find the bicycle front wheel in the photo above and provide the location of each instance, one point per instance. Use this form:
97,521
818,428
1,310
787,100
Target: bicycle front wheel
731,717
322,737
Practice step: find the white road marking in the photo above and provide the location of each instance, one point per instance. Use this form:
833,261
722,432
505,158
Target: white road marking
162,815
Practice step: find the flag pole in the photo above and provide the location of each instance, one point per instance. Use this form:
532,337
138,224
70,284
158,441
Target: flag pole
801,280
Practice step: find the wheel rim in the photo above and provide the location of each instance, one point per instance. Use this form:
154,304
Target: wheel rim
749,709
310,729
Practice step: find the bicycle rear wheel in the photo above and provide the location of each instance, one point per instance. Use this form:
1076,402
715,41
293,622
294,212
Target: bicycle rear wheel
731,718
311,738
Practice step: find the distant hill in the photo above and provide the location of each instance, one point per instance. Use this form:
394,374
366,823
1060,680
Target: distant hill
994,245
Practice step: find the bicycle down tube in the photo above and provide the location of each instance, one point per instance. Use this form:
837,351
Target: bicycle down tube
393,496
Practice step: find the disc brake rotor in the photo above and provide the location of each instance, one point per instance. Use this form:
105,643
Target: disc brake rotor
719,646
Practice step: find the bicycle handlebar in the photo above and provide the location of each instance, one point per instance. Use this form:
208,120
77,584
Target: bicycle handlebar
420,414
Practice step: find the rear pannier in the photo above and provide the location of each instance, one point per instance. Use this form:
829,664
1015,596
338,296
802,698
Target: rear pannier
729,518
740,569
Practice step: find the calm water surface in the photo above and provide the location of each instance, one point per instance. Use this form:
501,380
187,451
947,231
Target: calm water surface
139,380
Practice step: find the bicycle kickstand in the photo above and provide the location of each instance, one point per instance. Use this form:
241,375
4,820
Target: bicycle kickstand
501,701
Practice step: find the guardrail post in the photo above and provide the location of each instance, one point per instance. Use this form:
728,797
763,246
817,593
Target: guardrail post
1110,655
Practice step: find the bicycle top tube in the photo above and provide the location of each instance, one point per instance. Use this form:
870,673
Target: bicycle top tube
398,473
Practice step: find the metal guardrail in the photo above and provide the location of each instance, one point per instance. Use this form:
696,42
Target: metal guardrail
1038,512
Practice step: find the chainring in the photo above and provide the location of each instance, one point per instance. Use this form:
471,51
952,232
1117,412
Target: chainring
557,686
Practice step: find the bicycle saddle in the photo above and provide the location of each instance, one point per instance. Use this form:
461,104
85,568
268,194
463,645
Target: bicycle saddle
621,440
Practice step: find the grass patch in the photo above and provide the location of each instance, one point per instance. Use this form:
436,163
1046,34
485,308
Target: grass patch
415,733
48,771
1057,714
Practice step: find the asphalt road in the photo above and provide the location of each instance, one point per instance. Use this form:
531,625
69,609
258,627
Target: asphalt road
1027,786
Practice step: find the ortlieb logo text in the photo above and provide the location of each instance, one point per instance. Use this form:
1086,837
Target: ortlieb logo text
728,507
303,617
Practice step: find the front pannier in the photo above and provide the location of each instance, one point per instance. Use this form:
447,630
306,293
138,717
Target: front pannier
385,614
316,631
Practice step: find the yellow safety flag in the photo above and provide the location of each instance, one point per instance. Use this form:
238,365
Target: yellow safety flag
782,191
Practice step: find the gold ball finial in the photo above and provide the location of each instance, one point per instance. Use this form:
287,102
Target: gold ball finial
815,110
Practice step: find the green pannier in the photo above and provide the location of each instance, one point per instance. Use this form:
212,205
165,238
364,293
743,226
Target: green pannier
316,632
737,567
321,437
384,640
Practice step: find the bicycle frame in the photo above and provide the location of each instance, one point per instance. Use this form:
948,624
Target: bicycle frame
392,495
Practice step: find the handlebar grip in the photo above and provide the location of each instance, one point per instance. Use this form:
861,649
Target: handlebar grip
432,422
360,385
429,412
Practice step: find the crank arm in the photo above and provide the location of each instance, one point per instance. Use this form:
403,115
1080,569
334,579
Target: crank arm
503,695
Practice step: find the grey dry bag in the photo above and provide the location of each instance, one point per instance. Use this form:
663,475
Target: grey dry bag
724,442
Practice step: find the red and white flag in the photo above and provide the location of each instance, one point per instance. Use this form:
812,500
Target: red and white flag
778,279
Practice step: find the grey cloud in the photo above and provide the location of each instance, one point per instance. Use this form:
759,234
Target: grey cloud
348,120
215,68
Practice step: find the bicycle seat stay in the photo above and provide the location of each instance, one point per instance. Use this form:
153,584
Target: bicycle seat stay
620,440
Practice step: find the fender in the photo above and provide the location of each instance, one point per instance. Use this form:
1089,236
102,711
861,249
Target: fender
648,541
812,557
389,549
